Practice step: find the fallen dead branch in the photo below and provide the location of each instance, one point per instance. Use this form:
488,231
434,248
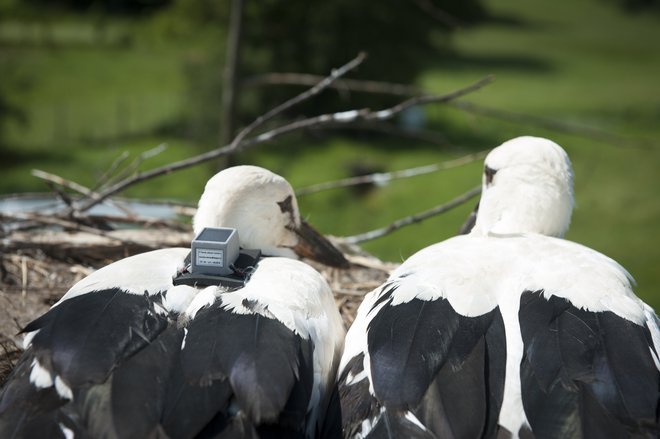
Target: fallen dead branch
412,219
83,245
382,178
339,118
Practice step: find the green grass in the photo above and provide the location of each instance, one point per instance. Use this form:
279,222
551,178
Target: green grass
579,62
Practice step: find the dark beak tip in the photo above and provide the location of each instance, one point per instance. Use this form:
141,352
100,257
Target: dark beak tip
313,245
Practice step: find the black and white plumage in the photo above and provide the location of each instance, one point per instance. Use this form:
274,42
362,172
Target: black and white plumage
125,354
509,330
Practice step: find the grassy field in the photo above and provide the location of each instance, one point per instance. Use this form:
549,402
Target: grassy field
582,63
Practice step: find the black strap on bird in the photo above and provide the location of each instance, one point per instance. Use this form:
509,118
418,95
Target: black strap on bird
242,268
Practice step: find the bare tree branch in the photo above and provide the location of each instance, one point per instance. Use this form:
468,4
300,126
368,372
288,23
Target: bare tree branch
347,117
105,177
237,144
552,124
381,178
324,119
73,225
378,233
52,178
134,165
495,113
77,187
316,89
303,79
231,72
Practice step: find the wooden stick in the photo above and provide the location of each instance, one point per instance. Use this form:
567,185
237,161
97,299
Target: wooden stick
358,85
396,225
385,177
316,89
52,178
552,124
55,221
235,146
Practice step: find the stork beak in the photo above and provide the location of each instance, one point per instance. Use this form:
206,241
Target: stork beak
313,245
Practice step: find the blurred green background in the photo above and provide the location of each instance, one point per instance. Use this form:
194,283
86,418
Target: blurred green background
83,81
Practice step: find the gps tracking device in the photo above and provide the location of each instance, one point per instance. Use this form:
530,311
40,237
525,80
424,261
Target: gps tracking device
217,259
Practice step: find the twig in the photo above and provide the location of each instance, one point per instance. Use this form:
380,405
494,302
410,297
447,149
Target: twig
51,220
104,178
406,90
60,194
316,89
552,124
231,71
381,178
24,276
132,167
145,222
324,119
236,145
378,233
359,85
347,117
52,178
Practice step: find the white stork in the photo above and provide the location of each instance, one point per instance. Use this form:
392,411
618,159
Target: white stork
509,331
125,354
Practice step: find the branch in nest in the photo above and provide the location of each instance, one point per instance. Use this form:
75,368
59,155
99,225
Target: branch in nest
52,179
67,224
381,178
358,85
552,124
396,225
241,141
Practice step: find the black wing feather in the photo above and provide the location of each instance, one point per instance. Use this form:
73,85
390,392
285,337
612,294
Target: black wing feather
429,359
260,365
129,404
357,403
84,338
585,374
26,411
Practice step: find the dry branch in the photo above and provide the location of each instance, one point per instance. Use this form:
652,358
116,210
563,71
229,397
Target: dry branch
316,121
56,179
237,144
108,174
469,107
66,224
316,89
359,85
412,219
552,124
83,246
381,178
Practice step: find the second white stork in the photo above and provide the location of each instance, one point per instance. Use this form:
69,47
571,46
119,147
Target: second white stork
509,330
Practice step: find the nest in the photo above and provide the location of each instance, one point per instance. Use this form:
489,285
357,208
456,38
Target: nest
37,269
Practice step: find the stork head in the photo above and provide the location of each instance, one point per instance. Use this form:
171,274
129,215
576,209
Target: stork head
263,208
527,188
